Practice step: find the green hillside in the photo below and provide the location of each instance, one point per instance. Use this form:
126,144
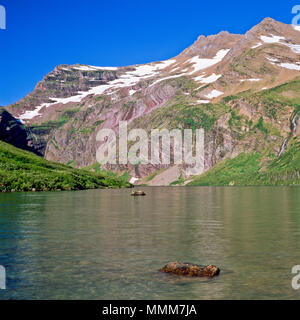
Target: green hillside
23,171
251,169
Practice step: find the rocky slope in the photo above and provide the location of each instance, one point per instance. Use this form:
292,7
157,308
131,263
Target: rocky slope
14,132
243,90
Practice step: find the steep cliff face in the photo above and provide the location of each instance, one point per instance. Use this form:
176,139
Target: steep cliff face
14,132
241,89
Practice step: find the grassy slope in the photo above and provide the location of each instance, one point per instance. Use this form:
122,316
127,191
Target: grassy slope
23,171
261,167
246,169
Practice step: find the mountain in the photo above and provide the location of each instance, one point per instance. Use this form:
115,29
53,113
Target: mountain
250,169
14,132
24,171
243,90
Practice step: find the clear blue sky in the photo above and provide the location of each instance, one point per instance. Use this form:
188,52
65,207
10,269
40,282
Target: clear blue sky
44,33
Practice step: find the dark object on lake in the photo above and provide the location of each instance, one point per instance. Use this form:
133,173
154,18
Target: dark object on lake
191,270
138,193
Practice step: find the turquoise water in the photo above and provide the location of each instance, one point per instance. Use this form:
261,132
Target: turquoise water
104,244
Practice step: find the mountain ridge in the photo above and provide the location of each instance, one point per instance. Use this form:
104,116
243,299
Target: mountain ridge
73,102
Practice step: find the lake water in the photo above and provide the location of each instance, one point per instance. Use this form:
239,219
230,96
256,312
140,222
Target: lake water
105,244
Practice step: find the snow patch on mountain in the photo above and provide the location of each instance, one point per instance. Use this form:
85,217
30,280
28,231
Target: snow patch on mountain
296,27
290,66
147,70
92,68
276,39
294,47
214,94
272,39
210,79
132,92
128,79
257,45
251,80
273,59
200,63
203,101
30,114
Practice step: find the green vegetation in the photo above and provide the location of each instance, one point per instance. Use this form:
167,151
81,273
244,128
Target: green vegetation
54,142
231,171
23,171
246,64
252,169
179,181
86,131
124,177
238,96
286,94
182,114
274,102
261,126
183,83
284,170
235,120
192,117
98,123
48,126
70,113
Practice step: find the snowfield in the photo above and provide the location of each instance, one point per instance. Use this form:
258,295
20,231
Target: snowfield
30,114
276,39
293,47
210,79
290,66
272,39
296,27
200,63
257,45
92,68
132,92
273,59
214,94
203,101
251,80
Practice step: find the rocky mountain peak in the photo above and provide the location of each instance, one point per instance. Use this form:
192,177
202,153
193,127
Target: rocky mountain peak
269,26
208,46
73,102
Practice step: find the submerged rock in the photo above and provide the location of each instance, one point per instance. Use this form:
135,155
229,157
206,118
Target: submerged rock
138,193
191,270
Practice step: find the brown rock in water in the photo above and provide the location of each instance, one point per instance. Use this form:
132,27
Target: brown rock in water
138,193
191,270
